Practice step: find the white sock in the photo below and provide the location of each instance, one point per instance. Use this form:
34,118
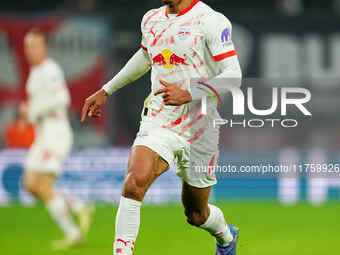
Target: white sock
58,209
75,205
217,226
127,226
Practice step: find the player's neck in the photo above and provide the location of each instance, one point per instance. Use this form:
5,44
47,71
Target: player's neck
41,61
181,6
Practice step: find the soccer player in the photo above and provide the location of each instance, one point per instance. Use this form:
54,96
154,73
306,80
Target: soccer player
182,40
48,101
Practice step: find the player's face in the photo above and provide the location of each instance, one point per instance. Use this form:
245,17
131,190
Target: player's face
35,49
171,3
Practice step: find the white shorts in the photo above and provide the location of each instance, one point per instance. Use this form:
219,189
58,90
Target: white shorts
51,148
172,147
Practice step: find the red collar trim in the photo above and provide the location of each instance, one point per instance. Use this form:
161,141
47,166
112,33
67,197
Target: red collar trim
188,9
184,11
166,12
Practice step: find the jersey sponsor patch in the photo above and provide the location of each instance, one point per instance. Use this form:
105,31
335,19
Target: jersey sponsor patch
184,33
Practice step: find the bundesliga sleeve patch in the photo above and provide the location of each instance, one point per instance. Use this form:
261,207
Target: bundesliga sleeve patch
226,37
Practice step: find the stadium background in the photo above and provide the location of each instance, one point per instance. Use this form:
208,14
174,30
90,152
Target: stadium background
281,40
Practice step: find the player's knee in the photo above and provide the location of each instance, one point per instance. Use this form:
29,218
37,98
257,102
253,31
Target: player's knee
40,189
135,186
35,187
196,217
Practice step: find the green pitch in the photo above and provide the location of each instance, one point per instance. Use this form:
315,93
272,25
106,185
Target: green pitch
265,229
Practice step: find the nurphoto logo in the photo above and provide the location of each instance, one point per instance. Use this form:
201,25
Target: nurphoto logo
282,97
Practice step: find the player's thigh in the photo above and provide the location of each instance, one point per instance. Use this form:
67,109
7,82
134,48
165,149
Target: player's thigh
38,182
29,180
46,156
195,199
144,166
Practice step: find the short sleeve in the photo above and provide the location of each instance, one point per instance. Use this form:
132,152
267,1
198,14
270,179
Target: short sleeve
218,30
143,43
144,24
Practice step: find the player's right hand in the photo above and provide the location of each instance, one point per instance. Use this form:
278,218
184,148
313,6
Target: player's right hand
92,105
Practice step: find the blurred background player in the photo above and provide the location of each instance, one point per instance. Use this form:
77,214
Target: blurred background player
48,102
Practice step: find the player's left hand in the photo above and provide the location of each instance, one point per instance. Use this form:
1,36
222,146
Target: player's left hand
173,95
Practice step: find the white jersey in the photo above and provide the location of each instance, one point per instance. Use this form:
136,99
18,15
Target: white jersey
47,92
48,103
181,47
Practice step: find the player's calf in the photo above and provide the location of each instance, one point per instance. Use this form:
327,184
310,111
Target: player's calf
197,217
217,226
203,215
41,186
211,219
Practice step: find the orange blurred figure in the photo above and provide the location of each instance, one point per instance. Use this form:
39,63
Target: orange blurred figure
20,133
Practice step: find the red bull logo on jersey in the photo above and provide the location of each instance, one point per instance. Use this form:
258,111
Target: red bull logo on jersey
168,59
